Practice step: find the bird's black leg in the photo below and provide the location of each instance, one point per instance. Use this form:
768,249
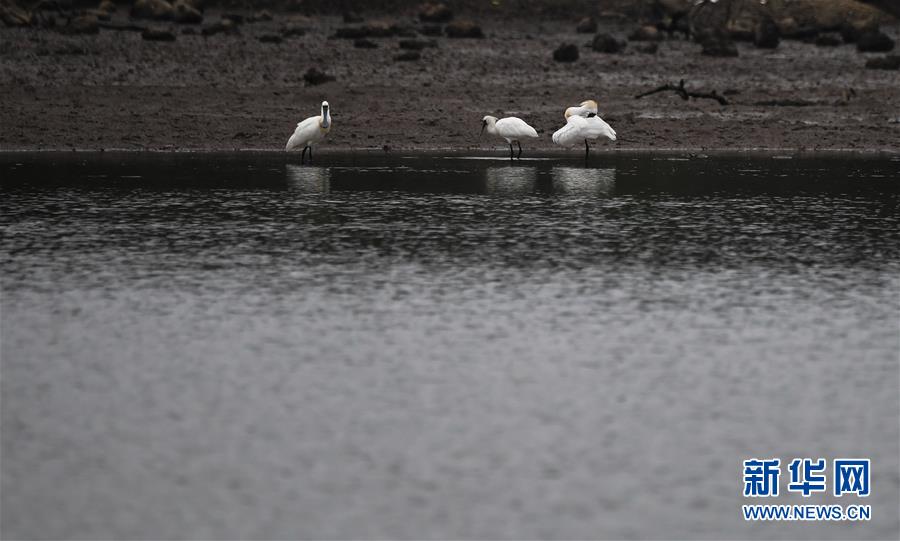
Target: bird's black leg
586,150
510,151
520,150
310,155
303,155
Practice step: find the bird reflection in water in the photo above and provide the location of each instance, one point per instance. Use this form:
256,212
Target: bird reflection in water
584,181
306,179
511,180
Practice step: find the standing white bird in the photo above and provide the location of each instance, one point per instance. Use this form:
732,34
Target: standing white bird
312,130
582,123
509,128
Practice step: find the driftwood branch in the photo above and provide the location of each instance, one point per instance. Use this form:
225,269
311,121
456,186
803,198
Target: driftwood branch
684,93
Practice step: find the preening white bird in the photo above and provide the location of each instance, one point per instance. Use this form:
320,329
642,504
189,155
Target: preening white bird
310,131
581,128
586,109
511,128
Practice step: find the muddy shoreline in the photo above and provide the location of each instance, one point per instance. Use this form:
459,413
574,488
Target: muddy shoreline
115,90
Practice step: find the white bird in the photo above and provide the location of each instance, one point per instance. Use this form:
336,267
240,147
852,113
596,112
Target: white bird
509,128
312,130
582,123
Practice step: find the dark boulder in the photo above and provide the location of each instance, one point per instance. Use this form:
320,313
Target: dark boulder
186,13
363,43
435,13
463,29
567,52
889,62
159,10
766,34
157,34
270,38
587,25
828,40
314,76
718,46
408,56
645,33
874,42
607,43
84,24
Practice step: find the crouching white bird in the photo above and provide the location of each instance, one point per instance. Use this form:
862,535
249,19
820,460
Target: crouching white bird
312,130
582,123
510,128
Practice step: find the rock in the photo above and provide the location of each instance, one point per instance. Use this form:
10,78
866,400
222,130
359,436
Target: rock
363,43
224,26
719,46
188,31
766,35
108,6
185,13
789,28
649,48
828,40
463,29
409,56
52,5
567,52
291,30
84,24
315,77
431,30
373,30
236,18
851,31
351,17
874,42
607,43
890,62
416,44
270,38
14,15
159,10
435,13
157,34
645,33
587,25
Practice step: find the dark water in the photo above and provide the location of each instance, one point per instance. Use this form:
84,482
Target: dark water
235,346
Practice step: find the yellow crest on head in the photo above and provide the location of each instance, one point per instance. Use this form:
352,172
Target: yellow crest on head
590,104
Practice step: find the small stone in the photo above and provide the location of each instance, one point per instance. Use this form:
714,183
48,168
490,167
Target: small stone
314,76
431,30
567,52
159,10
84,24
766,34
351,17
719,46
463,29
157,34
889,62
435,13
606,43
645,33
236,18
108,6
222,27
828,40
409,56
416,44
587,25
186,13
261,16
650,48
874,42
270,38
363,43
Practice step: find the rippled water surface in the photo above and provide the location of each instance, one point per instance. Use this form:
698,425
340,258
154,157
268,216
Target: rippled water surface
238,346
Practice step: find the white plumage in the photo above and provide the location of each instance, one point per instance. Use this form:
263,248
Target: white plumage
310,131
579,128
582,123
511,128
